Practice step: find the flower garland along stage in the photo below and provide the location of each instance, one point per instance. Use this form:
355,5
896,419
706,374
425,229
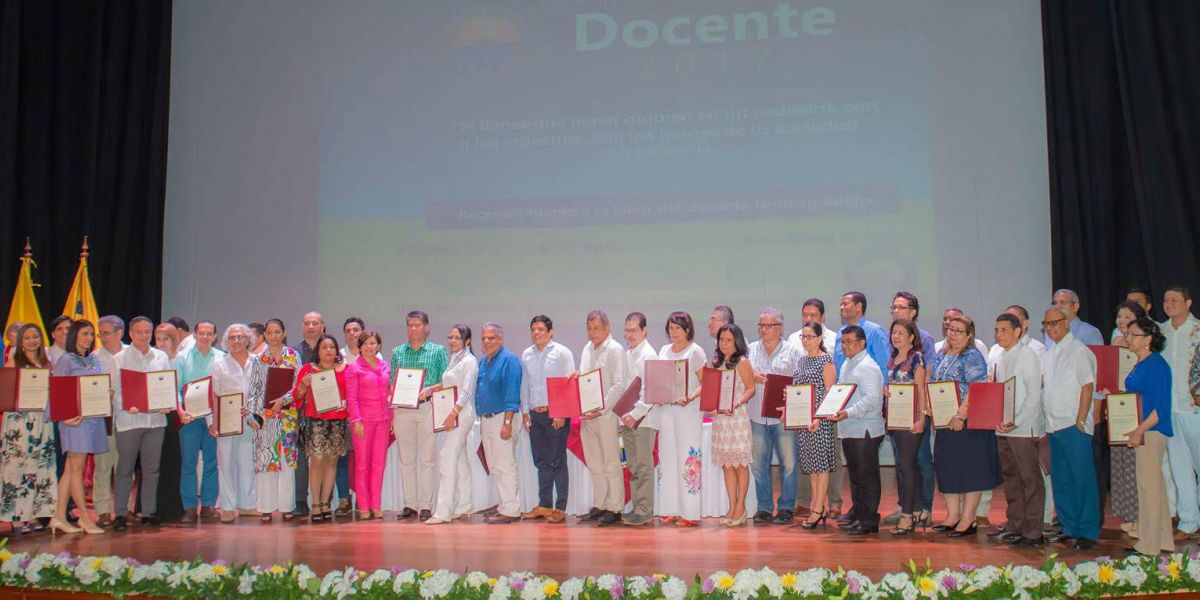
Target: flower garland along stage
197,579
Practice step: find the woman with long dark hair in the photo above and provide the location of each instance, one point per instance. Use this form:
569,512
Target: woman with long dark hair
454,491
907,365
79,436
28,469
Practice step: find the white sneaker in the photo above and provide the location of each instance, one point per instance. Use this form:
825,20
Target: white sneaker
435,521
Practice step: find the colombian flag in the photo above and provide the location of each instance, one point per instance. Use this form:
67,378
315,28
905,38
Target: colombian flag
81,304
24,306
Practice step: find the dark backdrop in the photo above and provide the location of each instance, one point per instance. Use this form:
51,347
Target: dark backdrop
83,141
83,147
1123,113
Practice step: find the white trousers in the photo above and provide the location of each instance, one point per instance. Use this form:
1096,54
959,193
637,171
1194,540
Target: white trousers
276,490
680,461
502,462
602,452
454,485
235,472
418,454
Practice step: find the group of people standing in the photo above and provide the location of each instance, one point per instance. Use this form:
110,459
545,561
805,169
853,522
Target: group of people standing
291,459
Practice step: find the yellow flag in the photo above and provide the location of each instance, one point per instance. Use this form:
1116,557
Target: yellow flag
81,304
24,307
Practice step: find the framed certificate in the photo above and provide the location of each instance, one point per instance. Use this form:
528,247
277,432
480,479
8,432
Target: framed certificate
24,390
95,396
943,402
716,389
1009,415
591,391
628,398
1124,415
798,406
1113,365
152,391
835,400
443,402
774,395
902,406
325,392
197,397
666,381
406,388
229,419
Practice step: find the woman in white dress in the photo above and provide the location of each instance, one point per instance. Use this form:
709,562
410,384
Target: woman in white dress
679,439
454,489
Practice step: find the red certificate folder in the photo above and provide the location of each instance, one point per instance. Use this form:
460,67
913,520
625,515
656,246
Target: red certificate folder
10,388
562,393
986,404
64,398
775,395
711,399
1113,364
279,382
628,399
135,389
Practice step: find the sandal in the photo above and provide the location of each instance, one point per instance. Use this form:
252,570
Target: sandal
265,518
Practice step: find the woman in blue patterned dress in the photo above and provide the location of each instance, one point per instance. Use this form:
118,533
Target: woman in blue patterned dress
80,437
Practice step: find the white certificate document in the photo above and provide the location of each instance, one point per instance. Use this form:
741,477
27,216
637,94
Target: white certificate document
229,421
443,404
591,392
1124,415
325,392
943,401
836,399
161,390
94,397
728,379
798,406
901,404
681,379
33,390
1125,363
197,396
406,389
1010,400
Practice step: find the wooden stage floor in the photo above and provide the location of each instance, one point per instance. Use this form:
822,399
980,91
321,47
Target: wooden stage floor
560,551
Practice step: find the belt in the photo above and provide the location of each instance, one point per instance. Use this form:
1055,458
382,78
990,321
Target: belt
540,409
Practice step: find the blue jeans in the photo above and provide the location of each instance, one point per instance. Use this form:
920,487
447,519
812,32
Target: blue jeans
770,440
194,442
1073,479
342,477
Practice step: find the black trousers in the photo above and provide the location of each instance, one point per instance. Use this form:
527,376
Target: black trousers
1102,460
862,464
549,447
302,481
908,477
170,468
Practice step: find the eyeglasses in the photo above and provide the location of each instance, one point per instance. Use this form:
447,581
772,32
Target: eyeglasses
234,338
953,330
807,336
769,325
901,307
1052,323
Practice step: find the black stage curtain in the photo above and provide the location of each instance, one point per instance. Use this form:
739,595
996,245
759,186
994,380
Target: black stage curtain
83,147
1123,114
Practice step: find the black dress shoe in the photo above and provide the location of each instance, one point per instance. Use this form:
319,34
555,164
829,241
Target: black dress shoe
1024,542
151,520
968,532
119,524
843,518
591,515
861,529
1007,537
425,515
1083,543
941,528
609,518
851,525
407,513
762,516
301,510
784,517
1060,538
1000,533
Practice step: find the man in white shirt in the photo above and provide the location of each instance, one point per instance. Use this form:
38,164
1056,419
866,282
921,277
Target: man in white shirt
110,329
1017,442
861,429
1182,330
1068,380
598,430
813,311
351,329
638,438
547,437
186,339
772,355
138,434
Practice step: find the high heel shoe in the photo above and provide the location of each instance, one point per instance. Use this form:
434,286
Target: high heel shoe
91,529
723,521
900,531
738,522
968,532
810,525
63,526
924,520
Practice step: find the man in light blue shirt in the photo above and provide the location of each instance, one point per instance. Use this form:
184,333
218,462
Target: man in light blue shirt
853,310
195,441
1086,333
861,429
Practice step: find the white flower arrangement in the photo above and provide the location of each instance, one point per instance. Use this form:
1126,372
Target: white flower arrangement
1054,579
